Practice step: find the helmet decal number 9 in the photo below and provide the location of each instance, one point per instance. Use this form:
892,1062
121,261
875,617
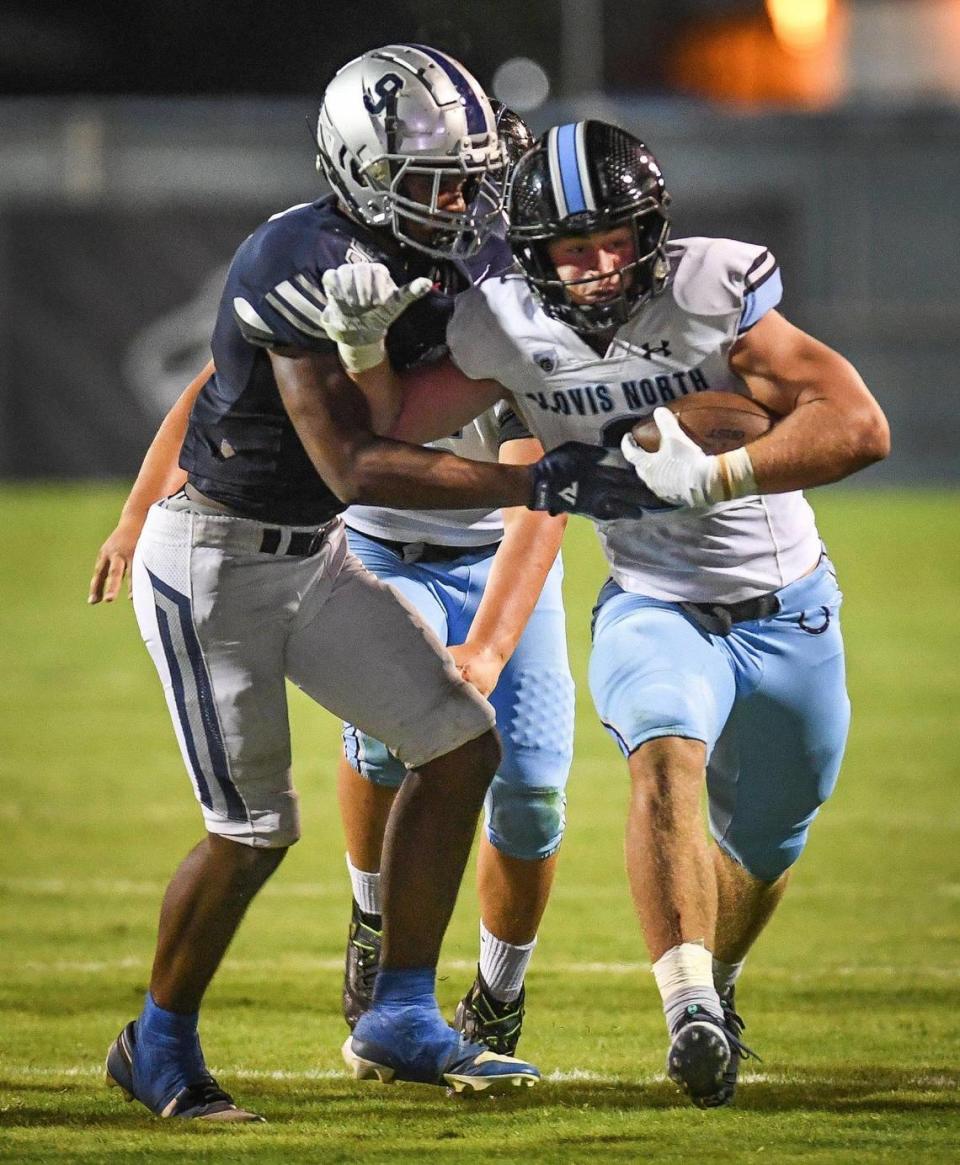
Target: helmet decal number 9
386,88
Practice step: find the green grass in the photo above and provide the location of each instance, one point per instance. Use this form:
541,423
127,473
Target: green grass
851,995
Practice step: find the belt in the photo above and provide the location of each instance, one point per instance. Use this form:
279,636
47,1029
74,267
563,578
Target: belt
719,618
300,543
249,534
429,551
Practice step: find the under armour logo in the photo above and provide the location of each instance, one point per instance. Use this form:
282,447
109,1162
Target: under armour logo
661,349
569,493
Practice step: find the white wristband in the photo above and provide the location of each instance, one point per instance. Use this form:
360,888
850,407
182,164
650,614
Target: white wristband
363,356
732,476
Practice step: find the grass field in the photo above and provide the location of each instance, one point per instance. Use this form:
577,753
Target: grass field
851,996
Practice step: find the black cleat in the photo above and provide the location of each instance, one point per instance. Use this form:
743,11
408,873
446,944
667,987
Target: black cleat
704,1057
738,1051
203,1099
484,1019
364,943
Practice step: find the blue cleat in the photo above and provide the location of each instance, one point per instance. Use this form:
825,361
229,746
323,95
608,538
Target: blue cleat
201,1099
413,1043
704,1057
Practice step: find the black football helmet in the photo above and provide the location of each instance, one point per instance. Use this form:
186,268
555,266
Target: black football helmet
516,138
584,177
513,131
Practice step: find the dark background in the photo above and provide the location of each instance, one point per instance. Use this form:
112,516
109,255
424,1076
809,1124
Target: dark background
191,47
141,141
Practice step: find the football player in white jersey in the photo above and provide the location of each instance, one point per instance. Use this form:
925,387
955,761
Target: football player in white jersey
717,653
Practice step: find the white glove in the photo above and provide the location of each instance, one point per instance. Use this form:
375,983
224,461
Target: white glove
680,471
362,303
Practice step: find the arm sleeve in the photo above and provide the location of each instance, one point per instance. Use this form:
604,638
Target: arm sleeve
762,289
510,427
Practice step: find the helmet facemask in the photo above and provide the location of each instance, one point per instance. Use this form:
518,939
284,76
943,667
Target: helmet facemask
579,180
421,222
637,281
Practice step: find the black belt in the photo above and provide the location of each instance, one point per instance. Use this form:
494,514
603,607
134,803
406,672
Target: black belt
429,551
302,543
719,618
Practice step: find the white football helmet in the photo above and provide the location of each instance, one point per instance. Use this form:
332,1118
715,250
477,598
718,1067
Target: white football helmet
405,111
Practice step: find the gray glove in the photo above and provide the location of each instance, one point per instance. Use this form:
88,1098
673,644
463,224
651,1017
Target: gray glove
362,303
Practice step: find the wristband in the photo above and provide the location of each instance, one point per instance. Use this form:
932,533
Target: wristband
732,476
358,358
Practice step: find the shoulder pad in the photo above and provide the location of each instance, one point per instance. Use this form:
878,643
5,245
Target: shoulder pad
274,285
713,277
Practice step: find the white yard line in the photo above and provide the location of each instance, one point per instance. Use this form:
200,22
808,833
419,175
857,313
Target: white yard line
306,963
932,1083
129,888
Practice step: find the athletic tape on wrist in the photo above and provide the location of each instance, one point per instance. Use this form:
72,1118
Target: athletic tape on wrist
732,476
363,356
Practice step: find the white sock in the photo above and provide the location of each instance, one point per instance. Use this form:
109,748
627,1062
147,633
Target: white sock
684,976
725,974
366,889
503,965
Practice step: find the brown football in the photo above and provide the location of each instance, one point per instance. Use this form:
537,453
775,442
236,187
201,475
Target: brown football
717,421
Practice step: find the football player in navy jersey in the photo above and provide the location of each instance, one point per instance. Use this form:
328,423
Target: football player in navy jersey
242,579
717,657
497,600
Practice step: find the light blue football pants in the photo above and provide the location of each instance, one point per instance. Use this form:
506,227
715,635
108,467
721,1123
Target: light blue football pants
769,700
534,700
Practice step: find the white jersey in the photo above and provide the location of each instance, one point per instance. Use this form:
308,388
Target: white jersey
678,343
477,441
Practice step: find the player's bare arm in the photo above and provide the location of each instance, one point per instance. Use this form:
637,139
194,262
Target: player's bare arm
568,479
332,420
520,567
425,403
439,399
362,303
831,426
159,476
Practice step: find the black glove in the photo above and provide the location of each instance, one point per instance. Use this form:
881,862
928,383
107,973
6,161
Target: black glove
571,480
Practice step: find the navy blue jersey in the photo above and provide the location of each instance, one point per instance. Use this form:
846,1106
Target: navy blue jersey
241,448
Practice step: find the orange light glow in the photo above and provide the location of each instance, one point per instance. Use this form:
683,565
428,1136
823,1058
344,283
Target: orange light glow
801,26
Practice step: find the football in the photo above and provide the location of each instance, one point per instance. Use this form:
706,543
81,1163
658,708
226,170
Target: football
717,421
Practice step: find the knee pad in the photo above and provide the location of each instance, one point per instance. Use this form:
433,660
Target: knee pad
371,760
764,856
525,821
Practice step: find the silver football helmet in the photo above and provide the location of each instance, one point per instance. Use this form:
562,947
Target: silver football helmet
397,127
